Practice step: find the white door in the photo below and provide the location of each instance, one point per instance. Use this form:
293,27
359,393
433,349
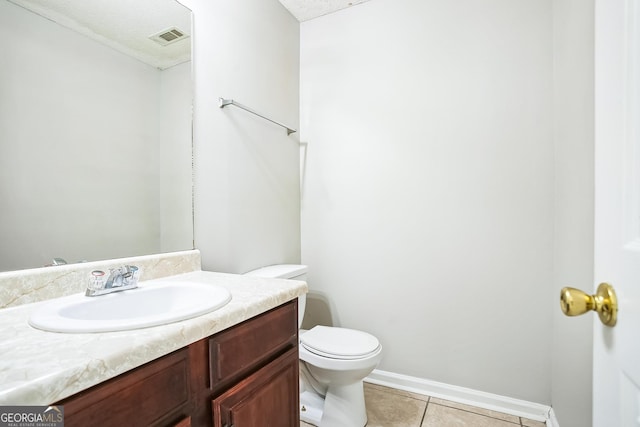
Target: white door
616,376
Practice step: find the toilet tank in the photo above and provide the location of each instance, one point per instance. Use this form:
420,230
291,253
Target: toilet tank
286,271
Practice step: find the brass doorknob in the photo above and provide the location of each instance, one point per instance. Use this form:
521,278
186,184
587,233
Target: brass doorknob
575,302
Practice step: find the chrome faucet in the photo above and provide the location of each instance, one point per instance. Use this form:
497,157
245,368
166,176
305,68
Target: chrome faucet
119,279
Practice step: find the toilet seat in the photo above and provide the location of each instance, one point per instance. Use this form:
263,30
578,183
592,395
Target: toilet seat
339,343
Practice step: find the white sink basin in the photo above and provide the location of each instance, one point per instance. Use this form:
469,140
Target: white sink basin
151,304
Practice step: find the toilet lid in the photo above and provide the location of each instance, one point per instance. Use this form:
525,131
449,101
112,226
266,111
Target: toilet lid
339,343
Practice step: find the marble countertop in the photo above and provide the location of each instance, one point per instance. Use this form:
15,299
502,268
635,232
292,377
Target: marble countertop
40,368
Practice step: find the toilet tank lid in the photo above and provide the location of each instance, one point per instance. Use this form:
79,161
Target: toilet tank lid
279,271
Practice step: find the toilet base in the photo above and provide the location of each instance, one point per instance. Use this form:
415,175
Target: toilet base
343,406
311,407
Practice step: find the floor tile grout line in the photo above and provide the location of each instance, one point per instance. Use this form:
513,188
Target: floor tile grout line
427,399
415,396
475,413
424,414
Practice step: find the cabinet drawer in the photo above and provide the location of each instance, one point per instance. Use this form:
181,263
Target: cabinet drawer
251,344
153,394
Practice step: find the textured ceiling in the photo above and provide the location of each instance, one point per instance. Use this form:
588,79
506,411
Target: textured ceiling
124,25
305,10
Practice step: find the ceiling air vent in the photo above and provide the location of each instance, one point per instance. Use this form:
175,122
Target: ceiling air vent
168,36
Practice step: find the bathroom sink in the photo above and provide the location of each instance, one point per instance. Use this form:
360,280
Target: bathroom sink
151,304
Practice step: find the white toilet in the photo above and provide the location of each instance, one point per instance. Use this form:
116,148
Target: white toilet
333,363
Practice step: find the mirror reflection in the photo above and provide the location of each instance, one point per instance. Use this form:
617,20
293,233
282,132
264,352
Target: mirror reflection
95,130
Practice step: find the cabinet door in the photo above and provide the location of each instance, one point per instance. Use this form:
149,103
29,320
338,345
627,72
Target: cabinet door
267,398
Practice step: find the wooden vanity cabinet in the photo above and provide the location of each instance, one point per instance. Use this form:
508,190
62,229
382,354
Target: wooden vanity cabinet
244,376
185,422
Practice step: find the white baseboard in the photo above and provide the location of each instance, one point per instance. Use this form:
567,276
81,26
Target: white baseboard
481,399
552,421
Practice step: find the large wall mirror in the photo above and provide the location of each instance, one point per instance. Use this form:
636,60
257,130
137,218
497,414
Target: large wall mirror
95,130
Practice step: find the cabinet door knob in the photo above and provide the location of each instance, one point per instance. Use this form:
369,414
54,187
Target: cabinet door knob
575,302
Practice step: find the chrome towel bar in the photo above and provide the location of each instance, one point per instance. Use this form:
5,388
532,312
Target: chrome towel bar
224,102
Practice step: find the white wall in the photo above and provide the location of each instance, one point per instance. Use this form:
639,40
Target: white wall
247,198
427,209
72,110
573,29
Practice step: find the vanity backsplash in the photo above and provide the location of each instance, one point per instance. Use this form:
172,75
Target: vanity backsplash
39,284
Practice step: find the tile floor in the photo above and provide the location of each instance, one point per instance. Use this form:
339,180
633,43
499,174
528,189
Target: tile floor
388,407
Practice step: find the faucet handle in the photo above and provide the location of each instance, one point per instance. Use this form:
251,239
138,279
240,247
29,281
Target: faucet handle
97,280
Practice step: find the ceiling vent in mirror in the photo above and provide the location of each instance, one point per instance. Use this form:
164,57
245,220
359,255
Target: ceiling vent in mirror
168,36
